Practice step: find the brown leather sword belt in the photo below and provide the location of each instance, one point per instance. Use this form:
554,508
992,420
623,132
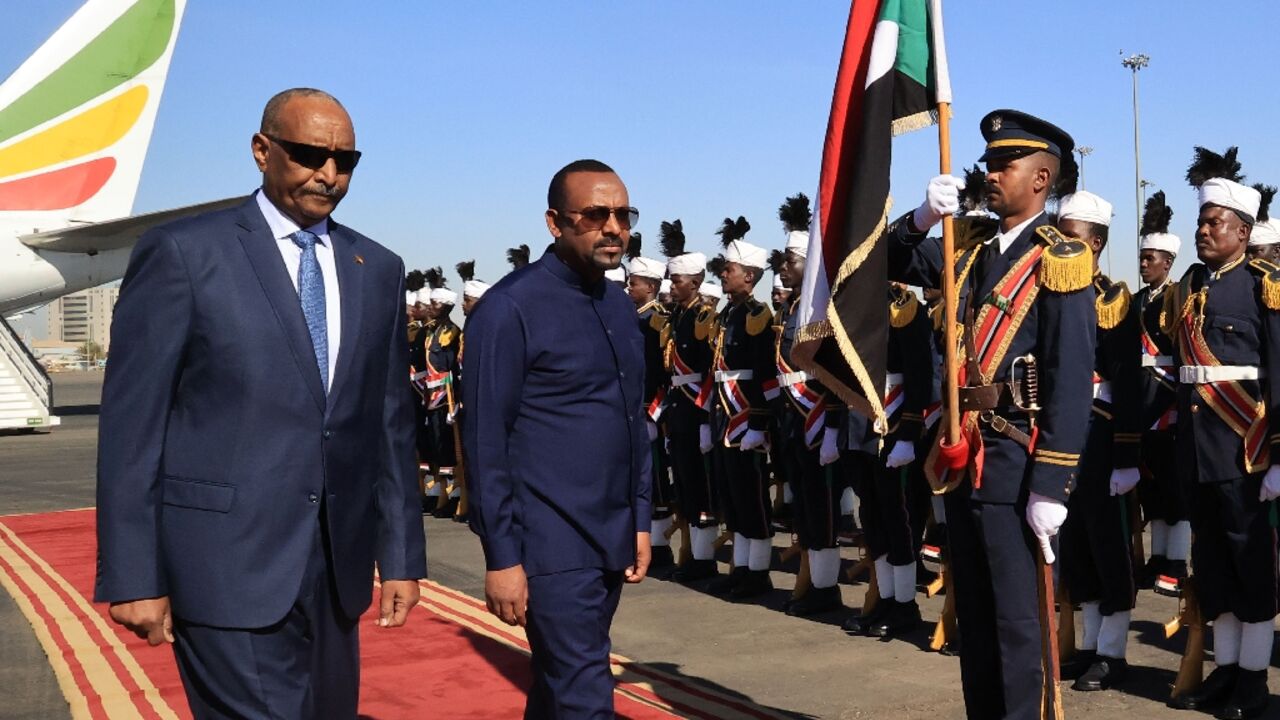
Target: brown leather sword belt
987,399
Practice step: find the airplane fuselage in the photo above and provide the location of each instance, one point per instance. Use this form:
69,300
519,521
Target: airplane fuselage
30,277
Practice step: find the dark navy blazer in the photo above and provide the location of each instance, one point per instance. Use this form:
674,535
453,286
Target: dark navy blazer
217,443
555,442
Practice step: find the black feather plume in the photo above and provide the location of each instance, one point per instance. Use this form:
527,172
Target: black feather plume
731,230
795,213
434,277
1068,177
671,238
1268,193
518,256
633,246
974,196
467,270
414,280
777,259
1156,215
1209,164
715,265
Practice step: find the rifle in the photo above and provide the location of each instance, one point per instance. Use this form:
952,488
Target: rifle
1135,529
1191,669
1051,708
459,469
944,633
1067,624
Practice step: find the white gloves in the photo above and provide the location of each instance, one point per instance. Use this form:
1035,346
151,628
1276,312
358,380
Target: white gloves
1123,480
1270,484
830,450
652,427
1045,515
753,439
704,438
448,418
942,198
902,453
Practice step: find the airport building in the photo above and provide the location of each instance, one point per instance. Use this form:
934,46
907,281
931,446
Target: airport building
84,316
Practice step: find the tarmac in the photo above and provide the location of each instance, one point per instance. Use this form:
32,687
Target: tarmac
806,668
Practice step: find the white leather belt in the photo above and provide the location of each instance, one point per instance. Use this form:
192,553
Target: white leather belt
1200,374
791,378
891,381
1102,391
686,379
730,375
1156,361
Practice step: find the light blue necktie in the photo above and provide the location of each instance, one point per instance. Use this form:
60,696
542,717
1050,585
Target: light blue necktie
311,293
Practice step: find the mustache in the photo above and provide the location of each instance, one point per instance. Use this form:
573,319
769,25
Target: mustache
608,242
326,191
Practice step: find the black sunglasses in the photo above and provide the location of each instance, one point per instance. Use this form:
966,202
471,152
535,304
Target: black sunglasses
313,157
595,217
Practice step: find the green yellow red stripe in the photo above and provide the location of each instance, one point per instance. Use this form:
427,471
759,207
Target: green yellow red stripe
59,189
88,132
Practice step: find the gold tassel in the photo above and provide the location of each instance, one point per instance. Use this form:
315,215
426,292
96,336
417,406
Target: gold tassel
1067,267
1271,290
1112,310
759,319
902,312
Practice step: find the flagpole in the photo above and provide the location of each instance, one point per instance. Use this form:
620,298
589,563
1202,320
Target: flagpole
950,302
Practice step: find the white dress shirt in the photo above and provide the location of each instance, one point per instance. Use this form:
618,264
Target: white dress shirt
1006,238
281,228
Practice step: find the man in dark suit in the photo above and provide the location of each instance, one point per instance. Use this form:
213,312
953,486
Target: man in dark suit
256,445
556,445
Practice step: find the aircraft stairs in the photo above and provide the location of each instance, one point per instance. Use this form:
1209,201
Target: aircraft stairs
26,392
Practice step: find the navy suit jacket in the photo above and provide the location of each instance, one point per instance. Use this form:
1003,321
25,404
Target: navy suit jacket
558,457
217,444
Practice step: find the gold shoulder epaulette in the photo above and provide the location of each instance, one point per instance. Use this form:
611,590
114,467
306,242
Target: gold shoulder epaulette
1067,265
974,230
1270,275
704,324
447,336
1112,305
903,311
658,321
759,319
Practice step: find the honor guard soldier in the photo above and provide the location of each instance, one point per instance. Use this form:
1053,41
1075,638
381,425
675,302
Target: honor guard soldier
643,283
441,366
1097,558
744,359
710,292
880,477
1161,491
1227,313
686,343
1264,241
807,444
1029,326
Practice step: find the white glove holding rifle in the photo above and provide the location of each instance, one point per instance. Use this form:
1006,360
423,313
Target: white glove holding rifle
941,198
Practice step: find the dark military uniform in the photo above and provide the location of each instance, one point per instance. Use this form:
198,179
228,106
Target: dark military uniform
441,348
1229,432
686,345
994,555
418,334
744,359
1095,544
1164,497
804,410
653,323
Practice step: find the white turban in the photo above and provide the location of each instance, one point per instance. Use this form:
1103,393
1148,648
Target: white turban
777,282
1232,195
410,297
1086,207
616,275
1162,241
665,287
444,296
646,268
1265,233
687,264
711,290
474,289
798,242
746,254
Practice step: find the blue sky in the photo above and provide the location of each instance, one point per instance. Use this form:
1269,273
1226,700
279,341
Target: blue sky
706,109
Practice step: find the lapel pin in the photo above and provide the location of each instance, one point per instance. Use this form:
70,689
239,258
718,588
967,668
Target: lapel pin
359,259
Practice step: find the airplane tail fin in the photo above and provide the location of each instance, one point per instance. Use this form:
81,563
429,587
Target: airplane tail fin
77,116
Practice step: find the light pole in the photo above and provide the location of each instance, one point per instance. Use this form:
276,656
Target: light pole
1136,63
1083,151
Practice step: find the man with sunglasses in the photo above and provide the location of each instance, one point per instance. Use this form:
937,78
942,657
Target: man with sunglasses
556,445
256,452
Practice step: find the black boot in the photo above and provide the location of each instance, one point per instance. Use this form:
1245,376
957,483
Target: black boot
1249,697
1105,673
859,624
662,561
902,617
754,584
1078,665
429,503
1148,573
446,509
727,583
694,570
817,600
1213,691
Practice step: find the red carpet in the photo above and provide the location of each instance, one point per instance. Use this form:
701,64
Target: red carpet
453,660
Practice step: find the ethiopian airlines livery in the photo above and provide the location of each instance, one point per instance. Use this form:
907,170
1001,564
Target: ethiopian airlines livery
75,122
